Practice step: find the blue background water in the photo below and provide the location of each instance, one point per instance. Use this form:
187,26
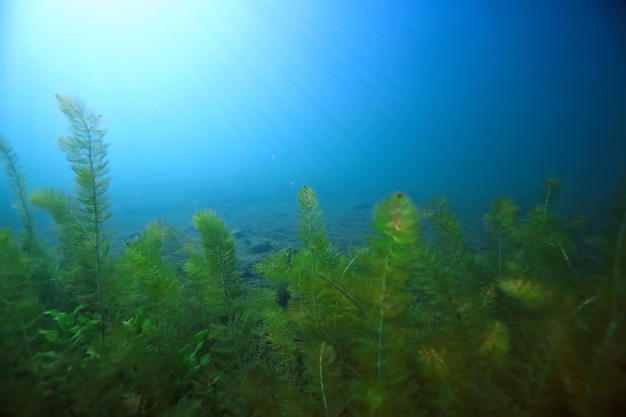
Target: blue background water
217,103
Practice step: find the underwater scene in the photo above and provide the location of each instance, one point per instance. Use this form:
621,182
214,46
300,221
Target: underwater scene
312,208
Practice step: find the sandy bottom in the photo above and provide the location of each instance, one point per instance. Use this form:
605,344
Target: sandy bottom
262,228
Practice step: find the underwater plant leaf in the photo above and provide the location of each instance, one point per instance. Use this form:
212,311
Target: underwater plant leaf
20,321
64,210
503,215
392,256
217,243
86,152
276,266
326,389
311,230
214,264
17,182
313,273
545,241
80,218
156,281
188,354
283,343
383,292
450,242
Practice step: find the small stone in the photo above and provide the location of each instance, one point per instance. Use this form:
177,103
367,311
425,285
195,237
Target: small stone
261,247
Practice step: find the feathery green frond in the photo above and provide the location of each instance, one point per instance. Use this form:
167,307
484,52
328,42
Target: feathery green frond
384,294
213,267
77,275
64,210
276,266
81,217
311,230
450,242
214,264
393,254
156,279
86,152
17,182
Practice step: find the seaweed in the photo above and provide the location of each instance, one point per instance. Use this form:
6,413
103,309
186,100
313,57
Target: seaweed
81,217
415,322
17,181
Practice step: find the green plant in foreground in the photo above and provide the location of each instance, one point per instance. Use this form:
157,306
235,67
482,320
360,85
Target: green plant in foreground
81,218
213,266
20,320
304,336
151,283
415,323
230,308
383,384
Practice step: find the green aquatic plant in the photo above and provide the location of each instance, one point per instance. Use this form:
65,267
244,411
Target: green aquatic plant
68,339
21,389
17,182
401,290
43,268
594,371
544,296
459,343
212,264
229,311
151,283
448,275
315,321
381,387
81,217
416,322
308,270
311,230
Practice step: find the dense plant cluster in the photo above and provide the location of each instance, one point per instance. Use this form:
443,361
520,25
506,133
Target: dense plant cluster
412,324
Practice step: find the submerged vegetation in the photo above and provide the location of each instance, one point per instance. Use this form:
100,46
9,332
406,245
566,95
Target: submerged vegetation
412,324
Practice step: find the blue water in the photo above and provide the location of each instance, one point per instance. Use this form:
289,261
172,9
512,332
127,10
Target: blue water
236,103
